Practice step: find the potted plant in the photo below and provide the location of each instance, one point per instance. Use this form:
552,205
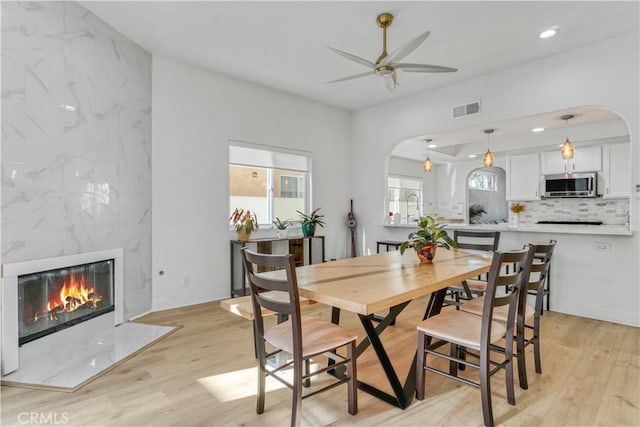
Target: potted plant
426,240
281,227
244,222
309,222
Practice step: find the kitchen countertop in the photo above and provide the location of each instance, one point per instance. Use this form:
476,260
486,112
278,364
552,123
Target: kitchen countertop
612,230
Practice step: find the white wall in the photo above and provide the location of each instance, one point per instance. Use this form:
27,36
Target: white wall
195,114
603,74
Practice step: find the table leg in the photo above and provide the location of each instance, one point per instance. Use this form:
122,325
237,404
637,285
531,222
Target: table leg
402,393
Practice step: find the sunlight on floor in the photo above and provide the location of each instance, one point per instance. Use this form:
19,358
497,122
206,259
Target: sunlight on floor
241,384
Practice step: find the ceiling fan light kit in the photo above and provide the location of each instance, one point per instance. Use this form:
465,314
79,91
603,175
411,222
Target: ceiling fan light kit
386,64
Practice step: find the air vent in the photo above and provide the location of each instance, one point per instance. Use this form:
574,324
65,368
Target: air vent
470,109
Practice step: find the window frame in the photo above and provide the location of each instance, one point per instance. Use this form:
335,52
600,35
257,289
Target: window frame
303,158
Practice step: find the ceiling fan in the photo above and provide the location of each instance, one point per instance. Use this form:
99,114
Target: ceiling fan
386,64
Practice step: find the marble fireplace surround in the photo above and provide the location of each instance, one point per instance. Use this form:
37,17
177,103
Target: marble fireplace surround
15,357
69,359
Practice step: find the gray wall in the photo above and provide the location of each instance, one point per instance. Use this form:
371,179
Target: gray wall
75,181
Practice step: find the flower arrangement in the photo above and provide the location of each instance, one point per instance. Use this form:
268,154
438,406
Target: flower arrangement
244,221
427,239
516,208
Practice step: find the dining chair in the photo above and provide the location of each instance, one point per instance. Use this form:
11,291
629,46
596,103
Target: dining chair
465,331
301,336
476,240
528,316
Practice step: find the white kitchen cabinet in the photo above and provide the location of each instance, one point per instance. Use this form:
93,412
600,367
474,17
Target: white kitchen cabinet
523,177
585,159
615,171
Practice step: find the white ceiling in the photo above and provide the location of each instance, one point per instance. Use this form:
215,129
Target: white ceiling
283,45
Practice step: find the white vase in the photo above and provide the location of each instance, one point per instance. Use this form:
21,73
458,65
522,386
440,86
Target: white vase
282,233
515,218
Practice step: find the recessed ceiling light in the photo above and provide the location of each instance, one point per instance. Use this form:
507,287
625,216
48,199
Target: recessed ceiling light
537,130
549,32
432,145
471,156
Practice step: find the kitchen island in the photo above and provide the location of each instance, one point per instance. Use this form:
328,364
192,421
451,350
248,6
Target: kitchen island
612,230
593,271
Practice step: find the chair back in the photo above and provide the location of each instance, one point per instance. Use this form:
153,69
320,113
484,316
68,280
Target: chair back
512,286
288,303
478,240
539,272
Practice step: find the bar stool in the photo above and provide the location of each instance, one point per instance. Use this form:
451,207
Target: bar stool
388,244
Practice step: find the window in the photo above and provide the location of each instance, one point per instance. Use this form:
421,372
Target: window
269,181
404,195
482,180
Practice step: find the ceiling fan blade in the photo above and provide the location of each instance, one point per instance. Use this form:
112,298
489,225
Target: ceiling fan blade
424,68
354,58
405,50
355,76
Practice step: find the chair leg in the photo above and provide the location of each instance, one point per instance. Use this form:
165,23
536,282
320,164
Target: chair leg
261,386
420,373
536,354
453,365
536,344
307,369
508,355
522,365
351,385
296,399
485,389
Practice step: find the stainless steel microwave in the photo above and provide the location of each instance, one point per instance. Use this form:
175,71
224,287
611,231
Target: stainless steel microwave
571,185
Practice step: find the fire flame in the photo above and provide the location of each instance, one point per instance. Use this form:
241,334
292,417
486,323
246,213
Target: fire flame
73,294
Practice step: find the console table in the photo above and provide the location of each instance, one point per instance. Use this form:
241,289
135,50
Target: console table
295,245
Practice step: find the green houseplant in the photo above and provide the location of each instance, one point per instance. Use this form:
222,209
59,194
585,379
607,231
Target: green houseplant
281,226
426,240
310,221
244,222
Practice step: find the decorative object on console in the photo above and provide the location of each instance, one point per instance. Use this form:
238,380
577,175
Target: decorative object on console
426,240
309,222
567,151
516,208
244,222
487,161
386,65
281,227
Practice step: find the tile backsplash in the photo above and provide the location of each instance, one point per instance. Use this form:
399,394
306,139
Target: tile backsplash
610,212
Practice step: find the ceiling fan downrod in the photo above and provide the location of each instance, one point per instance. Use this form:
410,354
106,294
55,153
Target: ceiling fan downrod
384,20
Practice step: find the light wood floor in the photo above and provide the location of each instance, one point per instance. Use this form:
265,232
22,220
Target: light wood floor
204,374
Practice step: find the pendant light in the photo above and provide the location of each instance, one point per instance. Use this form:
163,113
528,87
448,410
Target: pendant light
487,160
567,151
428,165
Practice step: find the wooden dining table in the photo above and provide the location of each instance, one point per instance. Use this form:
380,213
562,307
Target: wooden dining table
388,281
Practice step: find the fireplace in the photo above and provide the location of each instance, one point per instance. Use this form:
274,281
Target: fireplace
50,301
59,301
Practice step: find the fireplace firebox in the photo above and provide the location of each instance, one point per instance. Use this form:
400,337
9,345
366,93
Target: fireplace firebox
53,300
